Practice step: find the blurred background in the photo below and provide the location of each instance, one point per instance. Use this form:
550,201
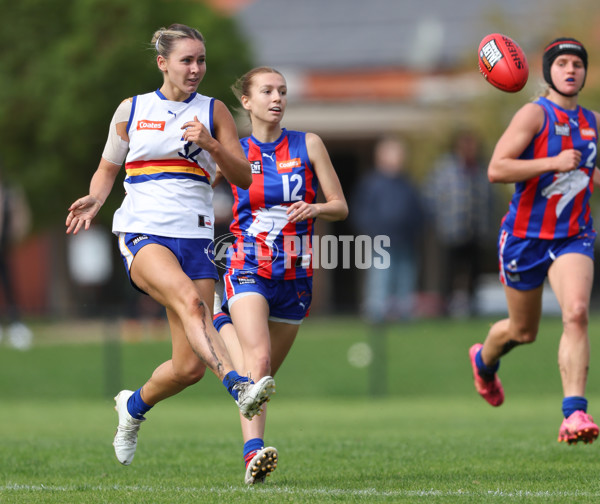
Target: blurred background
357,72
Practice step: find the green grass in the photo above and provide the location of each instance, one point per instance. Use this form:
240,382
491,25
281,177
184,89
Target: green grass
429,439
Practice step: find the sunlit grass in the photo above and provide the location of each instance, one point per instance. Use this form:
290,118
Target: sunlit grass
430,438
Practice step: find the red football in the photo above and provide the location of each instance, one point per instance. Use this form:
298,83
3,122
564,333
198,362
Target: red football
503,63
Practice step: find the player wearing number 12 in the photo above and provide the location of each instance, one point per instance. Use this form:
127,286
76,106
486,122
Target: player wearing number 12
549,152
268,284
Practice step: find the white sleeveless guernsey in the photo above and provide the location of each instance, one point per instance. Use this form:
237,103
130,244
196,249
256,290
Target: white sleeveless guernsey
168,181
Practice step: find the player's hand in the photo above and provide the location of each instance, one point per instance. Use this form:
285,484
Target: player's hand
81,213
196,132
301,211
568,160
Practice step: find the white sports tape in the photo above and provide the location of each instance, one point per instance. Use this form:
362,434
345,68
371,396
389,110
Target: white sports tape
115,150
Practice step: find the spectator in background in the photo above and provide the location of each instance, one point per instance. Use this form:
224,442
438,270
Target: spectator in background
15,219
460,199
387,202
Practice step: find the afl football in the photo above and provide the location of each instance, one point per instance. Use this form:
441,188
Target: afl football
503,63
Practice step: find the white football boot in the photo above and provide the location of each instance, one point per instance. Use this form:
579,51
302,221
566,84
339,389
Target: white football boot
125,441
251,396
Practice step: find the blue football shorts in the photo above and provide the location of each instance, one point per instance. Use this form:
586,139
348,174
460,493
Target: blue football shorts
524,262
289,300
195,255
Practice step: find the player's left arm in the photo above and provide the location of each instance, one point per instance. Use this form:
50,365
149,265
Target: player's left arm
224,148
596,177
335,206
596,174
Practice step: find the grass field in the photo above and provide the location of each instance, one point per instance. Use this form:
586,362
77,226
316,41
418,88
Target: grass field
408,429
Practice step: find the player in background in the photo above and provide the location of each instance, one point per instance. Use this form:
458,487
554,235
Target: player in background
268,283
171,141
549,152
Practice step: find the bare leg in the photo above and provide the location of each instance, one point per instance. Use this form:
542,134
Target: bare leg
195,345
571,278
258,347
521,326
250,346
186,300
182,370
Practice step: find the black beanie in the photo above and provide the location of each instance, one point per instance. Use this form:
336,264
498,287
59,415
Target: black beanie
560,46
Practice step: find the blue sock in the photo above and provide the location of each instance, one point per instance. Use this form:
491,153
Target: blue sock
136,406
487,373
253,445
220,319
572,404
230,380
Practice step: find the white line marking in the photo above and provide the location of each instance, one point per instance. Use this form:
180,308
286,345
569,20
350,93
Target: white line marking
306,491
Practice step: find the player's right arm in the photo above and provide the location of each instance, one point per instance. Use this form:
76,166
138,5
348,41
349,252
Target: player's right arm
83,210
505,165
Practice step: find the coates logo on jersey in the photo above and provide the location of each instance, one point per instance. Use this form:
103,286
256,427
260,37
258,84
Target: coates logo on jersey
588,133
289,165
145,124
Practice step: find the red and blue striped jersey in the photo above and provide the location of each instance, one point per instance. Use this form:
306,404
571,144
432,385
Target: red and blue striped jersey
556,205
266,242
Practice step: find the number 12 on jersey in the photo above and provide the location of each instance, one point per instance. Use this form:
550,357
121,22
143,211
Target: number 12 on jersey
292,185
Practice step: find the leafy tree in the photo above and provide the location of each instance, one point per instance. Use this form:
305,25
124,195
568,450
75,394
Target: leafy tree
66,67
